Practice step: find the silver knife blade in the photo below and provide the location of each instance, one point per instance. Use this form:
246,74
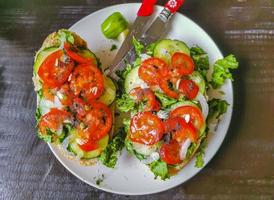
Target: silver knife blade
149,34
140,25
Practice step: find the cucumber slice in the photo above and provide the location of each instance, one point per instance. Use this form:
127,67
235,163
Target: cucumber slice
75,149
109,92
132,80
41,56
166,48
199,80
145,150
86,53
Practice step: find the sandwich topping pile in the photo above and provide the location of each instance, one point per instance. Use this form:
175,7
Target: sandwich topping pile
168,99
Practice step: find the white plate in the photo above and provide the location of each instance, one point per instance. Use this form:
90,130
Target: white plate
130,177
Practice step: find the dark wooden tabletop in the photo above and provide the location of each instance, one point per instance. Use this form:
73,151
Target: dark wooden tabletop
242,169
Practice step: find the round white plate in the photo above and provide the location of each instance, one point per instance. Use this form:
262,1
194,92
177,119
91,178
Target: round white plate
130,177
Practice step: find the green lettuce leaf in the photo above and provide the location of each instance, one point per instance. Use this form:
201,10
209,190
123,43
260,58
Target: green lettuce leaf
131,150
200,59
138,46
125,103
217,107
109,156
159,168
165,100
221,70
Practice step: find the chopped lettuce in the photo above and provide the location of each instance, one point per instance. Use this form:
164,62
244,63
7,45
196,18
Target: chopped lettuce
109,156
200,154
159,168
191,150
221,70
131,150
200,59
125,103
126,122
165,100
38,114
150,48
123,73
217,107
138,46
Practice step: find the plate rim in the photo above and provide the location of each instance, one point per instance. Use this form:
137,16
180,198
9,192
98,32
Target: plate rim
229,82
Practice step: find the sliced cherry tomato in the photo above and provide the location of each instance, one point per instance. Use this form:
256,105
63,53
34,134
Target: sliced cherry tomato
194,113
74,54
182,64
152,70
48,93
89,145
97,121
146,128
65,95
55,69
170,153
53,120
80,108
180,129
165,86
146,94
188,88
87,81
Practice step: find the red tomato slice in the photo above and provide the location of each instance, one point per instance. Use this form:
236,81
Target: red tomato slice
188,88
55,69
180,129
73,53
164,85
53,120
170,153
89,145
182,64
87,81
146,128
195,114
146,94
152,70
80,108
48,93
98,121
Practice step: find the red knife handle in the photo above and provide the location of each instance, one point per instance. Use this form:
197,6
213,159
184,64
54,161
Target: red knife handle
146,8
174,5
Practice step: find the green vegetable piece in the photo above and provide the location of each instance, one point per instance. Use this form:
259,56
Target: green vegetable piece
114,25
159,168
125,103
221,70
217,107
131,150
138,46
109,155
165,100
200,59
200,154
113,47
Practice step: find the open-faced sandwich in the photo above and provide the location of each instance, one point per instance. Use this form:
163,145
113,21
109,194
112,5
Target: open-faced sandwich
165,91
73,96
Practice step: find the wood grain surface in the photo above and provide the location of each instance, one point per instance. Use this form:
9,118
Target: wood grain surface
242,169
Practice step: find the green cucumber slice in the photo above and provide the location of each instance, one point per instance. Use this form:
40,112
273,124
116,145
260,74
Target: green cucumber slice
109,93
132,80
166,48
199,80
76,150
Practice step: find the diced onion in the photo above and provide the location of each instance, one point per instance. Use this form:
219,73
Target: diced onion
184,147
153,157
162,114
202,100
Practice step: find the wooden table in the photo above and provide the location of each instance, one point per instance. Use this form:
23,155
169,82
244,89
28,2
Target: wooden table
242,169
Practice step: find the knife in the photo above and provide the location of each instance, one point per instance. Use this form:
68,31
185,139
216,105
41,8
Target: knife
140,25
155,31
